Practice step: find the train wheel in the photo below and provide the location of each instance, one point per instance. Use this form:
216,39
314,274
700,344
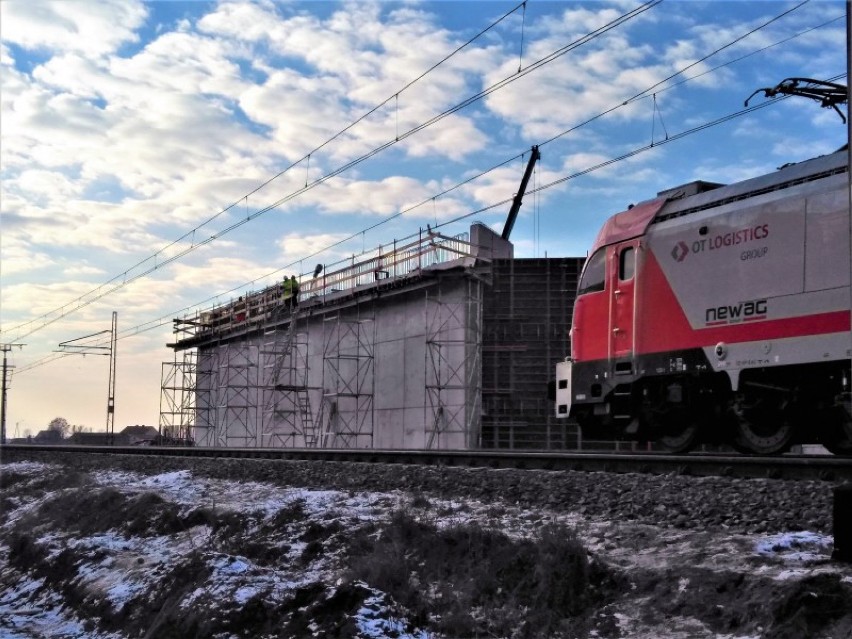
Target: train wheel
679,430
673,420
680,438
838,439
762,428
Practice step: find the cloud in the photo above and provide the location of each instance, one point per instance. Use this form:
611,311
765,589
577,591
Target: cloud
357,58
296,247
96,28
19,257
83,269
47,186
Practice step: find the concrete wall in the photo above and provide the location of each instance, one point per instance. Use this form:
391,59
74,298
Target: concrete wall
380,369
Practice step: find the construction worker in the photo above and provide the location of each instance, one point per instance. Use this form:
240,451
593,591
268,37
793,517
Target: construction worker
287,292
294,286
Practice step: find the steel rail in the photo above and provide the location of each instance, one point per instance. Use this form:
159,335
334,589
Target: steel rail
795,467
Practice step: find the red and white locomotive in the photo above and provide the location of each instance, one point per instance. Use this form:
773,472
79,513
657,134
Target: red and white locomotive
720,314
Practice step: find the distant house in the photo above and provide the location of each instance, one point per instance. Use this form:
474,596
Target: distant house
137,435
48,437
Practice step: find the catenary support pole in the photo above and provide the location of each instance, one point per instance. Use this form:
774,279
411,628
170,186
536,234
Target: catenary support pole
4,388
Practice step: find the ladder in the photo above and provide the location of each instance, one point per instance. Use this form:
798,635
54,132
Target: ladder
287,401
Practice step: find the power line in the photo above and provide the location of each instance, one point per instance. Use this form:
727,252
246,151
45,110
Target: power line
64,311
645,93
162,321
167,319
122,280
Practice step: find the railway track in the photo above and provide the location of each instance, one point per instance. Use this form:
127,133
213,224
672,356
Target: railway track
810,467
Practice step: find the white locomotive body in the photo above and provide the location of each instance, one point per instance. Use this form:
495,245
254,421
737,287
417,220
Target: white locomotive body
720,313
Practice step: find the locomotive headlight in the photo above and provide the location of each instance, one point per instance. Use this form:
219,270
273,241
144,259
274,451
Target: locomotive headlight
721,351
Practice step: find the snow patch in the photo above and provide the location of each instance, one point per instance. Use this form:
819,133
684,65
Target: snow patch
796,546
374,620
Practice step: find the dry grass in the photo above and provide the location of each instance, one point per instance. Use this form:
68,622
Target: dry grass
469,581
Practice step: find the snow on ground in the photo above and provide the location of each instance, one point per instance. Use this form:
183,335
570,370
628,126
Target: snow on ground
119,567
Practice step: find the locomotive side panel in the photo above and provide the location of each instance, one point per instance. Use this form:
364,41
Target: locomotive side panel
827,240
744,284
718,261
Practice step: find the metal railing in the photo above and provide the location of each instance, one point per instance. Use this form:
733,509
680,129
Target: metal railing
386,262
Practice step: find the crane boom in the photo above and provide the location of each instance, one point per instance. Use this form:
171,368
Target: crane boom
519,196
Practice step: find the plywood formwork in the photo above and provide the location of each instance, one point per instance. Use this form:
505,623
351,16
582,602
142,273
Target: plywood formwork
526,330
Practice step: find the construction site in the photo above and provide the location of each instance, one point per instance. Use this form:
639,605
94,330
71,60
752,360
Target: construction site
443,342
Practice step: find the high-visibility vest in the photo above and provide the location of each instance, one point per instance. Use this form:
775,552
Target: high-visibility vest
288,289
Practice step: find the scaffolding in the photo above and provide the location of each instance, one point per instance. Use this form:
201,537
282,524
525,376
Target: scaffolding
178,397
206,398
236,407
526,331
248,377
288,419
348,381
453,367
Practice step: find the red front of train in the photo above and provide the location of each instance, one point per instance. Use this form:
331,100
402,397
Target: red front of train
719,314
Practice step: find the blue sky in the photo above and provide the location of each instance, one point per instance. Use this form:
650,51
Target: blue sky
125,125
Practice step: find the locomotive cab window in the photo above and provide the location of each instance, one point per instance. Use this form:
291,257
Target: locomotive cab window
594,274
627,263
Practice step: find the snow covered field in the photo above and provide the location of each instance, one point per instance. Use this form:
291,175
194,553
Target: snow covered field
113,553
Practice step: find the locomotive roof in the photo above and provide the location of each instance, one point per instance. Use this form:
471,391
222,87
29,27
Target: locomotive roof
785,177
687,199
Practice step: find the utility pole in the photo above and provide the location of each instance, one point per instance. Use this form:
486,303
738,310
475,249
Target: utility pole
4,385
91,349
110,425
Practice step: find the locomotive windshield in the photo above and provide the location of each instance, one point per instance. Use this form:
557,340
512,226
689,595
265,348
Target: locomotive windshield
594,274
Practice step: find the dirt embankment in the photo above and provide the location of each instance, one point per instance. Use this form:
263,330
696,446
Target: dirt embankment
142,548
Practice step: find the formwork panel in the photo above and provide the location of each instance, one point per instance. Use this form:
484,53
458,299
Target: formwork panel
526,330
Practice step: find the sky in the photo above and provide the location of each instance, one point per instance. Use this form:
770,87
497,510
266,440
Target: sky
159,158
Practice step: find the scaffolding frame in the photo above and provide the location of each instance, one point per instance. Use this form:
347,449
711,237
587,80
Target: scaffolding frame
288,419
205,430
349,381
453,368
178,397
236,409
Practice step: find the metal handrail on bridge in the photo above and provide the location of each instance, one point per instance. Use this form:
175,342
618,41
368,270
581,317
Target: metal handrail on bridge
385,262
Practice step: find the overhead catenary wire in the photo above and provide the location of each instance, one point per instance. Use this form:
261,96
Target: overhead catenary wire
650,90
168,318
156,323
123,280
